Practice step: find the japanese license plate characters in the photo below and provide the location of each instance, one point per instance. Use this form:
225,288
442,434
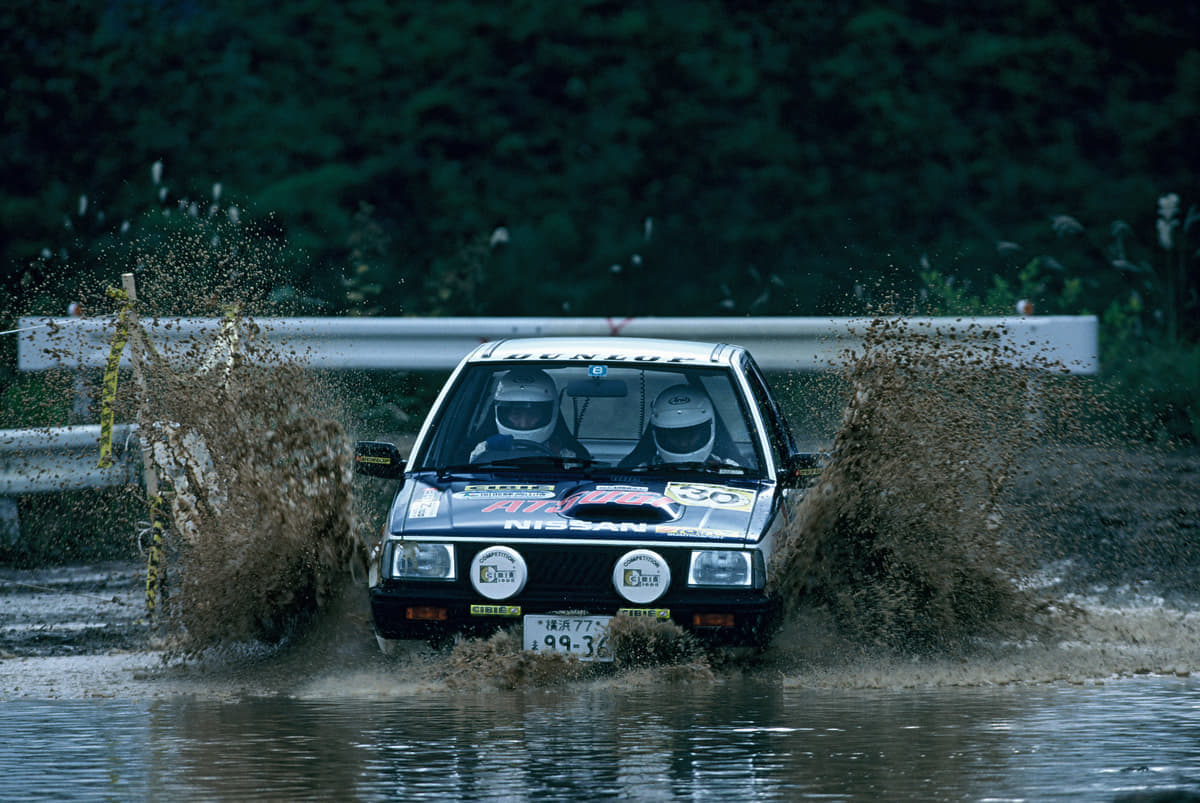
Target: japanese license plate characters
717,496
585,637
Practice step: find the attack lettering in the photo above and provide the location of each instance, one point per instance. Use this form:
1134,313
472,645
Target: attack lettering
631,498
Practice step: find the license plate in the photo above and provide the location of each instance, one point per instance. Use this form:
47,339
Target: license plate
585,637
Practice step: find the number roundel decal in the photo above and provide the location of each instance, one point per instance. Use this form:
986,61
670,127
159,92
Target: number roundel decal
641,576
498,572
703,495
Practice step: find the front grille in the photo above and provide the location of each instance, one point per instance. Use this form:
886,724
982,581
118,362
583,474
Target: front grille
588,569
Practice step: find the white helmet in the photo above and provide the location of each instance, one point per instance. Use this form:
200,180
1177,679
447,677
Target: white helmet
526,400
682,421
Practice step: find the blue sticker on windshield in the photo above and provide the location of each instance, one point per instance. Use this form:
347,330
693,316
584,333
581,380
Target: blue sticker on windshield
597,370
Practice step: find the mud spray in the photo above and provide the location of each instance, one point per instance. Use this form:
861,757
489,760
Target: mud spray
960,532
976,521
247,445
963,530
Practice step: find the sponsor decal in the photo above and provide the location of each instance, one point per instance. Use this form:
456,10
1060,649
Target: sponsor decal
495,610
426,505
648,613
631,497
695,532
490,573
505,492
639,578
721,497
566,355
562,525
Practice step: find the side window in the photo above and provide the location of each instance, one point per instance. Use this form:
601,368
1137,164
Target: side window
466,407
778,432
733,421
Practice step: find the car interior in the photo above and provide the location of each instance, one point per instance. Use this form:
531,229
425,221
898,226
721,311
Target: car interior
605,408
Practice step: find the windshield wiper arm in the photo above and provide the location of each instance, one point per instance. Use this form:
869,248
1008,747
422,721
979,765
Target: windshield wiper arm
695,465
517,462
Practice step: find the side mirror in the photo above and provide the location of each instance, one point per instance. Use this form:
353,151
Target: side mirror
378,459
801,469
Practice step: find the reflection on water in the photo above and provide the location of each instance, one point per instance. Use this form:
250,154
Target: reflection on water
734,740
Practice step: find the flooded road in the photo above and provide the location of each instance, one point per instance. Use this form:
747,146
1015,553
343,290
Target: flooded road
91,711
1099,699
737,739
893,680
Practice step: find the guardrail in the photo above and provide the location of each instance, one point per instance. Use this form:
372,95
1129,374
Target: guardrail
779,344
60,459
65,458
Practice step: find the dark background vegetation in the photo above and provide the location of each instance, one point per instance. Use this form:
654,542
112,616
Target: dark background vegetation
663,158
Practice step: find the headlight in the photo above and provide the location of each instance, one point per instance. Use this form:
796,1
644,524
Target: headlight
721,567
419,561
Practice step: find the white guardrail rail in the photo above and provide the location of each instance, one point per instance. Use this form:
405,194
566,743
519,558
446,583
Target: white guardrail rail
779,344
65,458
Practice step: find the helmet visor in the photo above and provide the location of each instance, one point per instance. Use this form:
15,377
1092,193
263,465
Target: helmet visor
683,440
524,416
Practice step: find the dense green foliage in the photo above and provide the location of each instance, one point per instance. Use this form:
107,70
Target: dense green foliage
669,158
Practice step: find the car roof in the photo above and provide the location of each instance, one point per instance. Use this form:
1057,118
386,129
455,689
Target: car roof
601,349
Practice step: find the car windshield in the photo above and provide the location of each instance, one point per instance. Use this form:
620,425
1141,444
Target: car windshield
593,417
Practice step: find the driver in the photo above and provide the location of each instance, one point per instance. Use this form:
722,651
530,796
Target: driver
526,409
683,430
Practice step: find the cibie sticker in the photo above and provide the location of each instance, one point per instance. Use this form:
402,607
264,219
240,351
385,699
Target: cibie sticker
718,496
426,505
505,492
498,572
641,576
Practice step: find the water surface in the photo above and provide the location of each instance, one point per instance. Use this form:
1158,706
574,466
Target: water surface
734,739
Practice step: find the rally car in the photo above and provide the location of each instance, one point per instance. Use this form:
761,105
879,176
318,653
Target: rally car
559,482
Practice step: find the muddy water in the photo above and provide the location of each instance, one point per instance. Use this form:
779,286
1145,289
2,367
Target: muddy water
986,603
1098,699
735,740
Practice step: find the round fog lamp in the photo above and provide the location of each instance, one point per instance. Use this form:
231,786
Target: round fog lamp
498,572
641,576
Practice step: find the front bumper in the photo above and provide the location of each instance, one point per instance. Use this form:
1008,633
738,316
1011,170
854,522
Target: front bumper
568,579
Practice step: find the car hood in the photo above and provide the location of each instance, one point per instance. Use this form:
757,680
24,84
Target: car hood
642,510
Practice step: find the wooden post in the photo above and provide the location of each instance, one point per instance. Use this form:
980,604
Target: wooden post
155,572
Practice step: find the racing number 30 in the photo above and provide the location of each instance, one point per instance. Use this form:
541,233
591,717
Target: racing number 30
710,495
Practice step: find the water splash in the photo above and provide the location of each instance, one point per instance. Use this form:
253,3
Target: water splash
906,540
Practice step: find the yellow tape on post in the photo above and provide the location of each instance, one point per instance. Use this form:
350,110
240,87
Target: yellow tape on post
108,390
155,572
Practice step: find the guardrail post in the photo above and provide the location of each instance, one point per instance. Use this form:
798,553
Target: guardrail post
155,572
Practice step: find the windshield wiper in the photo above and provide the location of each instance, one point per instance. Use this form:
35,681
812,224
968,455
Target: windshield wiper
522,461
695,465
